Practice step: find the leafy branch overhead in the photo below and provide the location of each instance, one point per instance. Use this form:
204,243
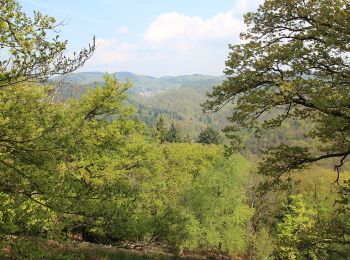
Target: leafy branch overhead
293,64
31,48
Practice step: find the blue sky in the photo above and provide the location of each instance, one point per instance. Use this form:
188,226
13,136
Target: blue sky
153,37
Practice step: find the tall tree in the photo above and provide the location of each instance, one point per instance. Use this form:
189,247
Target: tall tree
294,64
26,50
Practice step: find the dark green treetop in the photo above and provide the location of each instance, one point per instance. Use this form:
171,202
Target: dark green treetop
161,128
172,135
209,136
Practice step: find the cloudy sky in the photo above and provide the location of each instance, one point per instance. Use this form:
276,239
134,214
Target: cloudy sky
153,37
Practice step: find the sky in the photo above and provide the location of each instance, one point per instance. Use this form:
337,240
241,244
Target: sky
153,37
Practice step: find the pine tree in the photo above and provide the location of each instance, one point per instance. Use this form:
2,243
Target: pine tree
172,135
161,128
209,136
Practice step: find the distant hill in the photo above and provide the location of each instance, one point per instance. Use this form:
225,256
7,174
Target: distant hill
147,85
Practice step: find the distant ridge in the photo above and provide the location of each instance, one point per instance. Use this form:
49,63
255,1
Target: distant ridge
144,83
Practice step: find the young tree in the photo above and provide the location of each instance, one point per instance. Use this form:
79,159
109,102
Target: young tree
27,53
172,135
217,199
297,234
161,128
209,136
294,64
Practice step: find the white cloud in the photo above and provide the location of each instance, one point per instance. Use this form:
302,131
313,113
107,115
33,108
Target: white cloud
175,43
177,28
123,29
193,44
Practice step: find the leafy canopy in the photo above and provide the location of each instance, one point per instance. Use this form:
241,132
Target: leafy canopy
293,65
66,156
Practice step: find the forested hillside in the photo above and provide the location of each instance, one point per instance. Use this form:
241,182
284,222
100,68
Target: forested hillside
178,99
124,166
179,104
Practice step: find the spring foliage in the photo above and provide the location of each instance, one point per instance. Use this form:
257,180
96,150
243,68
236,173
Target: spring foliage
86,168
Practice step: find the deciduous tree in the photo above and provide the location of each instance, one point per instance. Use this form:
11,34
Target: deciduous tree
293,64
30,47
